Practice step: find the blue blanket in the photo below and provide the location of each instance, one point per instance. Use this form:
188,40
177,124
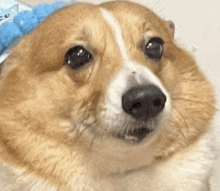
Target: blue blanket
23,23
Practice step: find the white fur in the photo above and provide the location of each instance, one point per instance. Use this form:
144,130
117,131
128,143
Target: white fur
189,170
131,74
117,32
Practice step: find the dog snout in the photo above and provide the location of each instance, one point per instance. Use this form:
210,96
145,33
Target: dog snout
143,102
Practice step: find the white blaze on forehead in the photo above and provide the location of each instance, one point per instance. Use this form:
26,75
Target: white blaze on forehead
117,32
131,74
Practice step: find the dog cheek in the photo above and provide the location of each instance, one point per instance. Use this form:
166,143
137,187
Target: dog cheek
169,77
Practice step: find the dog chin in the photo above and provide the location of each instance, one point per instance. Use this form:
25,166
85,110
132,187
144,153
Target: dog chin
133,131
135,135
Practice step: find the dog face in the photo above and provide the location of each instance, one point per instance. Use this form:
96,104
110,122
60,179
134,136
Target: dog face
101,89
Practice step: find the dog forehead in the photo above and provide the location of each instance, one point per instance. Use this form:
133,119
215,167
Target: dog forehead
135,19
87,22
128,13
126,8
128,27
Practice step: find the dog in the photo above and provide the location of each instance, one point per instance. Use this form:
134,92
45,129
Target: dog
101,97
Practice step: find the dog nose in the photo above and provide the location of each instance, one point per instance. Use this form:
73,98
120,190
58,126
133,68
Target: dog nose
143,102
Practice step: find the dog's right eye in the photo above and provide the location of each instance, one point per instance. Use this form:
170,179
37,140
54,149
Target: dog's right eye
77,56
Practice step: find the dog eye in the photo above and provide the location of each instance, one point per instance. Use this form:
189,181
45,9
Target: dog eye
77,57
154,48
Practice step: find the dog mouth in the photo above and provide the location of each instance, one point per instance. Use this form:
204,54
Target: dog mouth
135,135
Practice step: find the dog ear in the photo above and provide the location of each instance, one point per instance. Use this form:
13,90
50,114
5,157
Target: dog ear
171,27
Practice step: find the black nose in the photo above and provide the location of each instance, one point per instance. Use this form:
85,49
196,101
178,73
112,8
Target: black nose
143,102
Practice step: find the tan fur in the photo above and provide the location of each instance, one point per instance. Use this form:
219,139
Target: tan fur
44,104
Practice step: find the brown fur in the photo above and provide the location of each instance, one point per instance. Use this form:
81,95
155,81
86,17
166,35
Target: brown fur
43,102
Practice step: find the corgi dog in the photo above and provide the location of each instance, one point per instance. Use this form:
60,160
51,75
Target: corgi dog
101,97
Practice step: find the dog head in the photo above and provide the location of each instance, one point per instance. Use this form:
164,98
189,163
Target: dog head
105,87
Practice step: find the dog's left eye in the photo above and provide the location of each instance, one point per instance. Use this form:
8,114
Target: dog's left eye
77,56
154,48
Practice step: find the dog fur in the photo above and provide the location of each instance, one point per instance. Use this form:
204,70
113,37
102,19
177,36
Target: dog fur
57,124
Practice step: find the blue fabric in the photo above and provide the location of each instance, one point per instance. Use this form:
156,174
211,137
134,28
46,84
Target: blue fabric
42,12
59,5
25,22
9,32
